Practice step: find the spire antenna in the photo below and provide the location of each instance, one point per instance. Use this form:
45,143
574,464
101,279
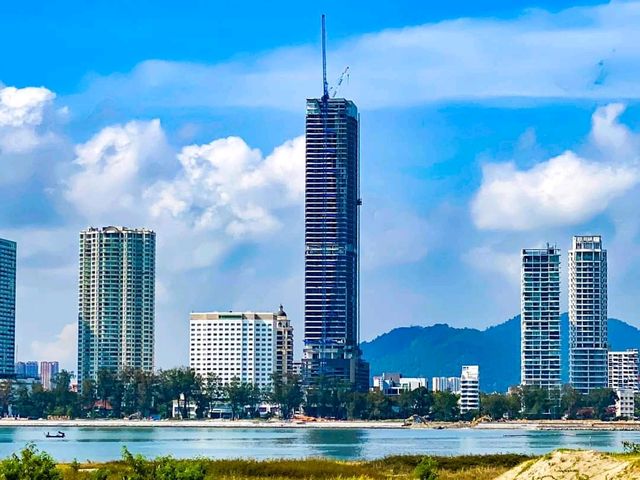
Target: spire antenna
325,86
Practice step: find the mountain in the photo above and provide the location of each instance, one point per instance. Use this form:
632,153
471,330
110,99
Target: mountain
441,350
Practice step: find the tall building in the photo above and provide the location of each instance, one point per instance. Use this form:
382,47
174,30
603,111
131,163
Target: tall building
7,307
588,343
116,300
446,384
469,388
540,318
48,372
247,346
332,201
623,370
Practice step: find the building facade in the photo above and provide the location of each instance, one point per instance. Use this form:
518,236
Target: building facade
540,318
7,308
245,346
625,404
588,343
394,383
116,313
446,384
469,388
332,203
48,372
623,370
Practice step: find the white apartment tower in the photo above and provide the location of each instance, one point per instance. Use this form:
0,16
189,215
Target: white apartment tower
588,343
469,388
116,304
540,318
247,346
623,370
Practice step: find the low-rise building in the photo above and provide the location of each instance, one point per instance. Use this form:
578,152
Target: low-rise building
446,384
469,388
395,383
625,403
623,370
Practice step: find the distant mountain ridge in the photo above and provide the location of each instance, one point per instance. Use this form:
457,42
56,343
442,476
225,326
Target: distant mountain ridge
440,350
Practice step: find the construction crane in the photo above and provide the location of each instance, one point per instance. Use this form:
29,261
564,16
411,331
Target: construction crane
334,90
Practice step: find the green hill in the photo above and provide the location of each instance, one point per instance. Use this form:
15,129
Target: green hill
440,350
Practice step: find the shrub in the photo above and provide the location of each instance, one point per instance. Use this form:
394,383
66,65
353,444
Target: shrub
426,469
31,464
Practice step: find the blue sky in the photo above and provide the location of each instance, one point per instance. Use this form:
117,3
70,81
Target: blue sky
486,127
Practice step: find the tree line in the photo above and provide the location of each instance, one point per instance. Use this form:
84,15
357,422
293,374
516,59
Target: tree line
133,393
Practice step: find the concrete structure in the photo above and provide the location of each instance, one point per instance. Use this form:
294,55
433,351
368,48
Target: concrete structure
48,372
540,318
7,308
116,300
623,370
469,388
588,343
332,218
247,346
395,383
446,384
625,403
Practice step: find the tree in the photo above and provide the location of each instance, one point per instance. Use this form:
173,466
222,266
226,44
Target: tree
600,399
535,401
570,401
495,405
240,395
379,406
182,384
445,407
88,396
286,392
6,396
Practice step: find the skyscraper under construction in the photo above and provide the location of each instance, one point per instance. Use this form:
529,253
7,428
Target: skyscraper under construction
332,202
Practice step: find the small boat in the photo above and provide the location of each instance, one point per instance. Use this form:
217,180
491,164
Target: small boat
55,435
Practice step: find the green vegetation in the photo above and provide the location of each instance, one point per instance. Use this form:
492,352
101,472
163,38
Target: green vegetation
32,464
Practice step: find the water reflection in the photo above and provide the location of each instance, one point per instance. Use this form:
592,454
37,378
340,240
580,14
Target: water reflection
340,443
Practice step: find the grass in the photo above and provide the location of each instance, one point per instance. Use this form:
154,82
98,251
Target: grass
466,467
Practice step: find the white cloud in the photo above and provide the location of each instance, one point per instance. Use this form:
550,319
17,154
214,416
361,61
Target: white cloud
226,185
582,52
491,260
62,348
21,113
111,166
564,190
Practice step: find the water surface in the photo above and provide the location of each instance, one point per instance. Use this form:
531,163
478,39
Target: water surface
101,444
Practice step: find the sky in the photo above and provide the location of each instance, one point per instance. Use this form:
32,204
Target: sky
486,127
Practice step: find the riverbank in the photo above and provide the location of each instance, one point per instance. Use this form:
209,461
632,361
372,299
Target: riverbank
566,425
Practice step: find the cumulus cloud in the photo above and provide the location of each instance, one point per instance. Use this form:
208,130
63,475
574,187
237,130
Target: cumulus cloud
62,348
582,52
21,113
229,186
488,259
219,193
111,166
564,190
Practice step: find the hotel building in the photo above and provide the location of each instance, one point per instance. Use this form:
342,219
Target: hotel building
469,388
247,346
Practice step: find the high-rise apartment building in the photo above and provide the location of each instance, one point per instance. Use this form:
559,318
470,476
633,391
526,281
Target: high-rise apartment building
27,370
244,346
588,342
540,318
469,388
7,308
623,370
332,202
48,372
116,300
446,384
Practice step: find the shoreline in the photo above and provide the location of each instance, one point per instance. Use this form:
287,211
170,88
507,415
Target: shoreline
542,425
